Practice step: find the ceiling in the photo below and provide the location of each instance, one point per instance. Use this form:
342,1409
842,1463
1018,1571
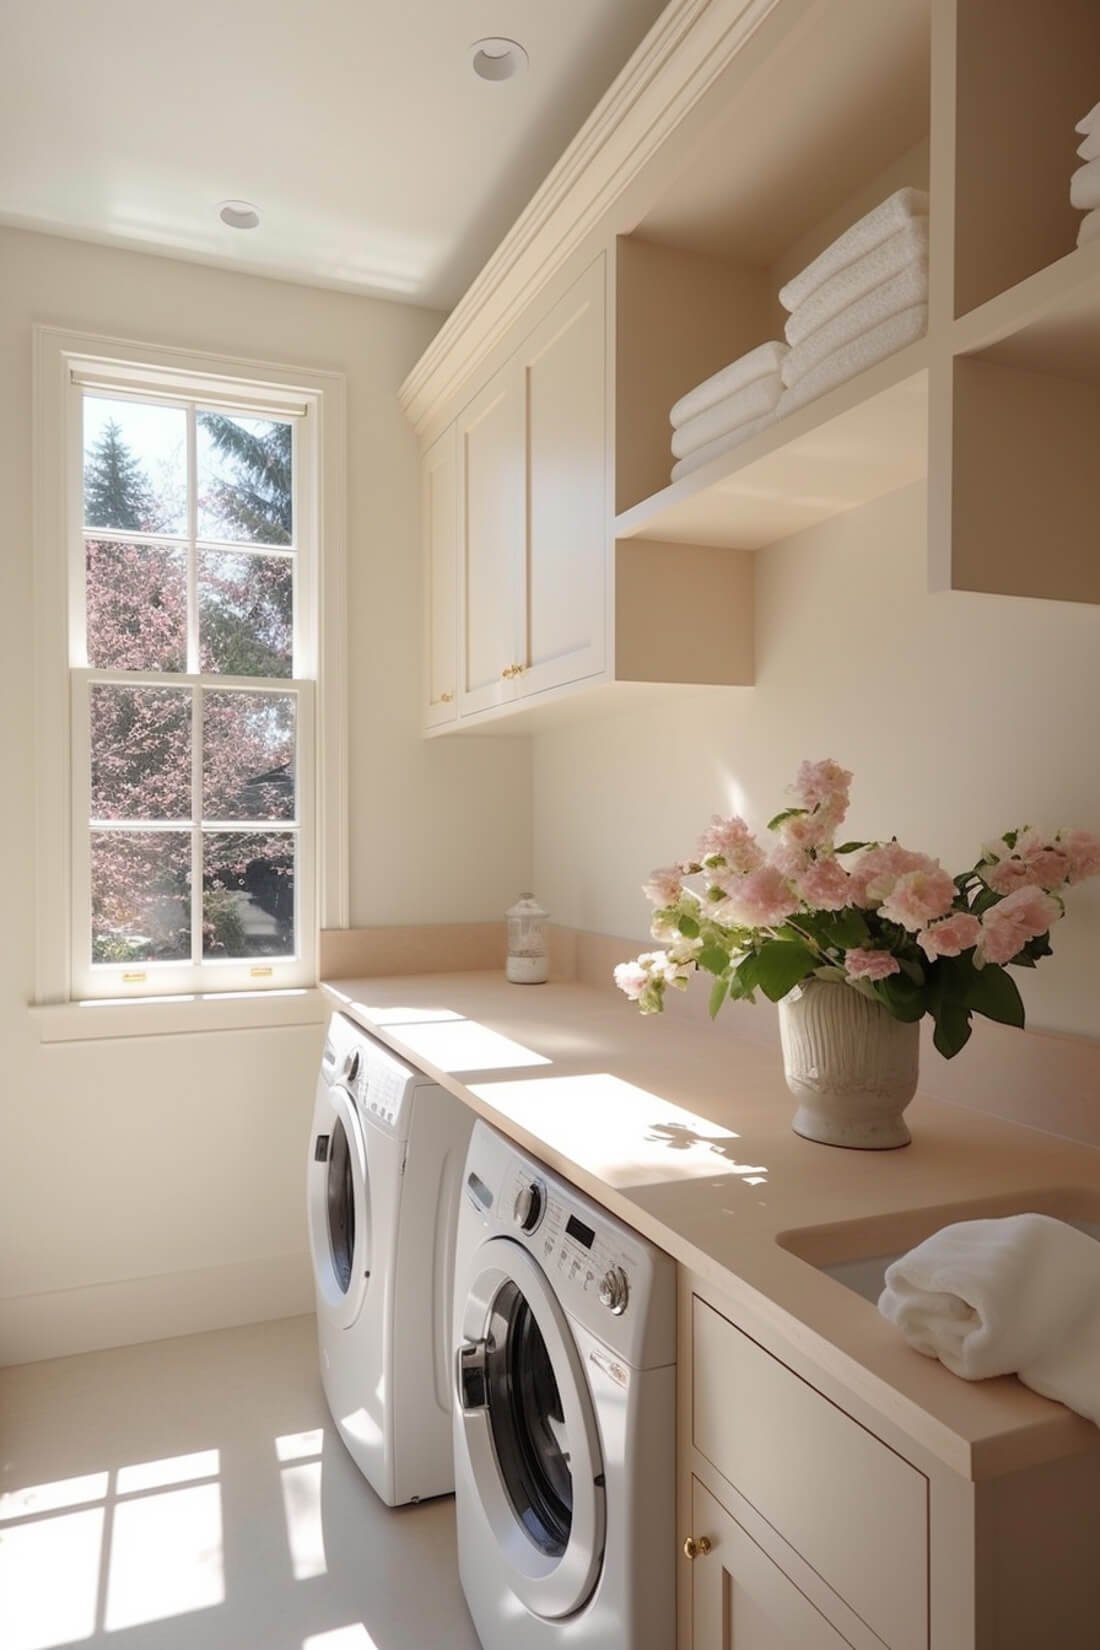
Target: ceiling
378,160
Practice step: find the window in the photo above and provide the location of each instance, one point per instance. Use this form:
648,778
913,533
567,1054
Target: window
193,640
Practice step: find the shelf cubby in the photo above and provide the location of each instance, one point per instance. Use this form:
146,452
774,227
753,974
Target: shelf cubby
1024,74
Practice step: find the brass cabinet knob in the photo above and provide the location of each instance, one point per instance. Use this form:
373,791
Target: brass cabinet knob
445,698
510,671
697,1547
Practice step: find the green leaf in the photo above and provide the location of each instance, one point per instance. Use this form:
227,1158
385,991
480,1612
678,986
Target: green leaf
845,929
688,927
994,993
713,959
902,996
780,965
788,813
850,847
718,993
952,1028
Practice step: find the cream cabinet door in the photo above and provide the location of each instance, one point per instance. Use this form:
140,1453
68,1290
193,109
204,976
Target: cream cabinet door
740,1599
492,490
439,526
567,549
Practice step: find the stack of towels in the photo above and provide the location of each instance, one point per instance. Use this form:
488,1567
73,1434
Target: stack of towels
863,298
726,409
1084,187
1019,1296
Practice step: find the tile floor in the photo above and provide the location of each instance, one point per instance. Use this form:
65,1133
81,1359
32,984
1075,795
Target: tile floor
192,1494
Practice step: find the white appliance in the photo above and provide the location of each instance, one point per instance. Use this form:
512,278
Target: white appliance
385,1167
564,1337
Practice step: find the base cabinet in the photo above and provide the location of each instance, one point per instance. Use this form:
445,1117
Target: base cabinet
740,1599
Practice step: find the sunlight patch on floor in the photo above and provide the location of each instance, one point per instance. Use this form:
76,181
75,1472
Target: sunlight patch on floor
49,1580
305,1530
166,1556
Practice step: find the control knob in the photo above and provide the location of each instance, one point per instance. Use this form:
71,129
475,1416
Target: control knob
529,1206
615,1290
352,1064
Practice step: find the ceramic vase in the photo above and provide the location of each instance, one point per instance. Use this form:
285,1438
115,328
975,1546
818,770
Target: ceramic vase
850,1065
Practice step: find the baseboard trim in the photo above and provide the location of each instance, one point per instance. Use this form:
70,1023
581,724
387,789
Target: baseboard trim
68,1321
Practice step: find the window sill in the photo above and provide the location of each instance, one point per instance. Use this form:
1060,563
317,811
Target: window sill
91,1021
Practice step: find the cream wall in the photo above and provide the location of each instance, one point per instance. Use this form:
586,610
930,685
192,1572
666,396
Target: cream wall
960,716
153,1185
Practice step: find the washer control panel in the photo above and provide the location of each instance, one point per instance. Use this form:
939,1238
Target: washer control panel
586,1257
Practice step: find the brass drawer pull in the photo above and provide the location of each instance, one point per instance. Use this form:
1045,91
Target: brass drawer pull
445,698
697,1548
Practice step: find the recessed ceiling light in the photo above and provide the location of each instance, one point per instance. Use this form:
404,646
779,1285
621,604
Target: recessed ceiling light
239,214
497,59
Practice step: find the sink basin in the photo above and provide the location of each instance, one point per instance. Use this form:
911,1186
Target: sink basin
867,1277
856,1253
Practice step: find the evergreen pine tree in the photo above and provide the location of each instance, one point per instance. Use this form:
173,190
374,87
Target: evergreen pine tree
116,492
256,504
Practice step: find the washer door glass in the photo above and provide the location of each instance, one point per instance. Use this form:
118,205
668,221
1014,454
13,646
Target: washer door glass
528,1422
340,1201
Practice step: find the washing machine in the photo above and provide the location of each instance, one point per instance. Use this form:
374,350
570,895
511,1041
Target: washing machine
564,1347
385,1168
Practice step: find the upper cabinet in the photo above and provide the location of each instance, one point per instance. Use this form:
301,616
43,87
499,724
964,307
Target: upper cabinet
439,527
653,256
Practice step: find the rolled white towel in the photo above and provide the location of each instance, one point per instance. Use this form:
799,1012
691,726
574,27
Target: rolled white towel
724,444
1090,228
742,407
900,292
1018,1296
1084,186
863,352
906,246
1089,147
875,227
1088,122
758,363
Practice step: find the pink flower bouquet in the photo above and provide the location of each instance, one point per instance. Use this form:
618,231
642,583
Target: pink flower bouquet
887,921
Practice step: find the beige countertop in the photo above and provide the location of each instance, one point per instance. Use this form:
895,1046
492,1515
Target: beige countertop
684,1133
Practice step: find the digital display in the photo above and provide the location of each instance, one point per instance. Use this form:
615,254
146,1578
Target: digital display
577,1229
480,1191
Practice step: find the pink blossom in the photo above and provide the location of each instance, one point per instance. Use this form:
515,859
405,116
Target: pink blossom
731,840
762,899
878,869
825,885
790,860
824,785
1029,863
949,938
806,831
664,886
864,964
632,979
1019,917
918,897
1083,851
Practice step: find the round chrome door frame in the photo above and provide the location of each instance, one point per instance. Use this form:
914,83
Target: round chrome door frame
549,1585
340,1305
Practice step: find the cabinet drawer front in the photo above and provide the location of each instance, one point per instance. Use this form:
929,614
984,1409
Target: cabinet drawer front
854,1510
740,1599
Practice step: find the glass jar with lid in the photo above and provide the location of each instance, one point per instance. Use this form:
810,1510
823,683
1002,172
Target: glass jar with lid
528,943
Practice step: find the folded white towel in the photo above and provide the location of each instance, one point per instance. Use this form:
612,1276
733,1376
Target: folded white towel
900,292
1089,147
906,246
724,444
1088,122
863,352
1084,186
1090,228
1019,1296
877,226
742,407
758,363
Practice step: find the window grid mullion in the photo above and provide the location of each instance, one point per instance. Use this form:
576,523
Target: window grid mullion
197,714
192,553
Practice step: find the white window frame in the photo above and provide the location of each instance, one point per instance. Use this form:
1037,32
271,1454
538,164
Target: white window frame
66,364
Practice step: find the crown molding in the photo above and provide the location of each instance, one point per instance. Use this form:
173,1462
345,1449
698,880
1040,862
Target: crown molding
687,49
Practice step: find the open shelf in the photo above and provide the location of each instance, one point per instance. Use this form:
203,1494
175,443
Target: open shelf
1049,323
863,439
1025,73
